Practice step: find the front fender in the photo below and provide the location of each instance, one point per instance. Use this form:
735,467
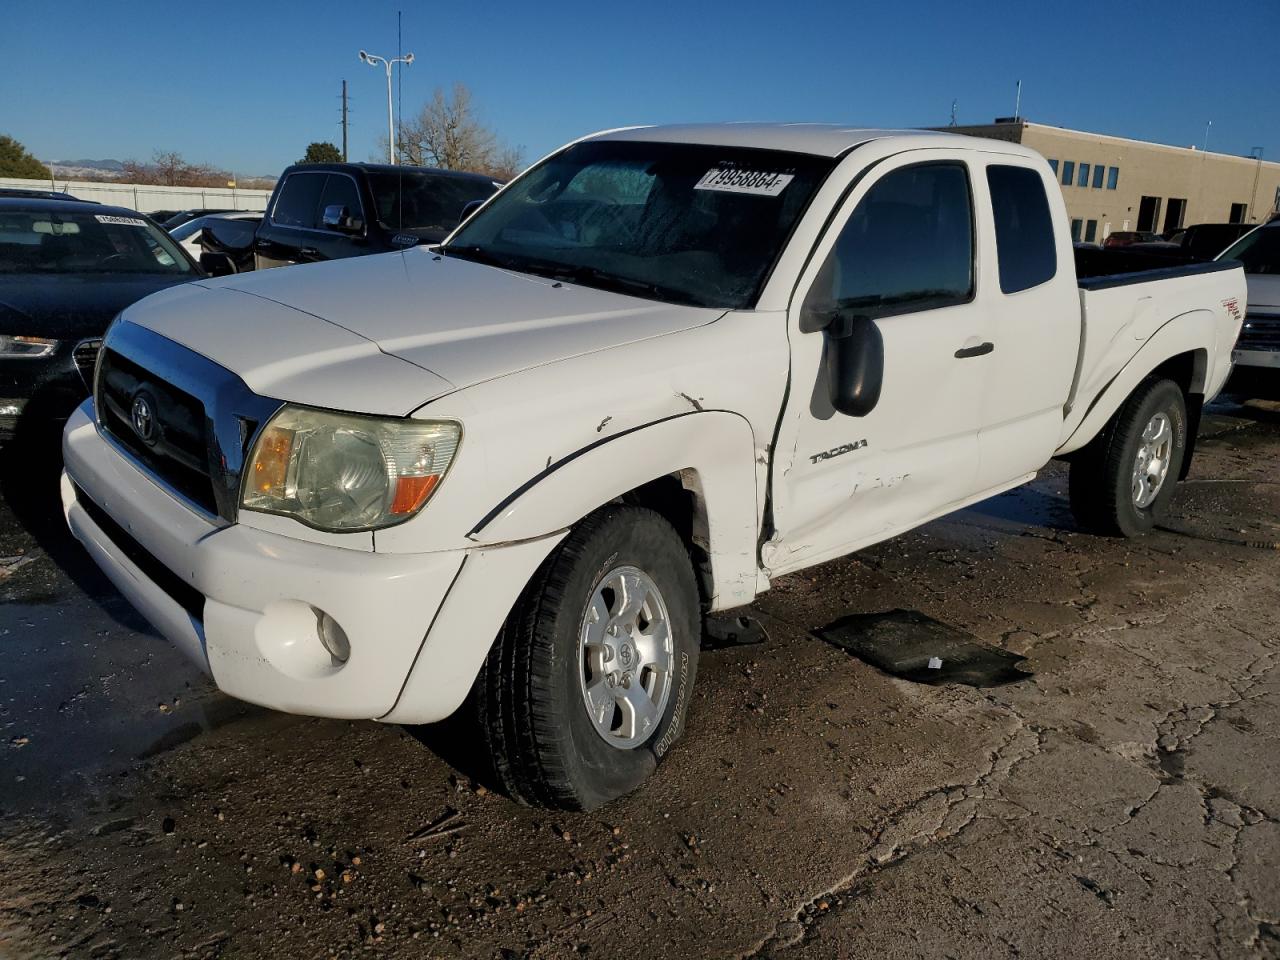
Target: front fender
1195,332
713,454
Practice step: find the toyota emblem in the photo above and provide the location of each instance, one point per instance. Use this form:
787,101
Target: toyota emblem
144,419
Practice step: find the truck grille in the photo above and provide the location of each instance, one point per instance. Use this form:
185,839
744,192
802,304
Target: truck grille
1259,332
183,418
86,358
160,424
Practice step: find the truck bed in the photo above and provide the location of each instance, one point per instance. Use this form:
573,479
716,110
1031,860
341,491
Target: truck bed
1097,269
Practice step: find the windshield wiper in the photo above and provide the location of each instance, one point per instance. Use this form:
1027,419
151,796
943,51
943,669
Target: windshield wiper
476,253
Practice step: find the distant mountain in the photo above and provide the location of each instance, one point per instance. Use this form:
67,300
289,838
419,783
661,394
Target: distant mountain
115,165
71,169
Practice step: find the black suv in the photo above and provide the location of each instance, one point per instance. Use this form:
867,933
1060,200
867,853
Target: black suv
323,211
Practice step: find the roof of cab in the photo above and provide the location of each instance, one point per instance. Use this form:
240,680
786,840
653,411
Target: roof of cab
33,204
819,139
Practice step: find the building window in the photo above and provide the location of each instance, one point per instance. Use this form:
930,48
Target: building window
1024,229
1076,227
1237,213
1090,231
1174,211
1053,165
1083,180
1098,171
1068,172
1113,177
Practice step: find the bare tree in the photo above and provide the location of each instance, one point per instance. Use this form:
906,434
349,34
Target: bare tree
170,169
446,133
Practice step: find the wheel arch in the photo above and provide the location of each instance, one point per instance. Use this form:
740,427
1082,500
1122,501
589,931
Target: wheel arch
1176,352
697,469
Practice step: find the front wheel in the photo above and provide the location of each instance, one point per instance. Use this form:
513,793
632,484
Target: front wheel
1121,483
586,687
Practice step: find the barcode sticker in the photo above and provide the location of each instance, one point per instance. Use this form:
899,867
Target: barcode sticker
729,179
126,221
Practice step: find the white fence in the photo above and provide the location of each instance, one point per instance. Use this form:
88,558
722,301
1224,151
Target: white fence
147,197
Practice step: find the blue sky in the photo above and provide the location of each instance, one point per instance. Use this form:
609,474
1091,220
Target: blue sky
247,85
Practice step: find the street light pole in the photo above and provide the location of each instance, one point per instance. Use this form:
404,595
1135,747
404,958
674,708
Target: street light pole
373,61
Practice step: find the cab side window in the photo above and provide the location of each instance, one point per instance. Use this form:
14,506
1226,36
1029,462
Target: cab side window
1024,231
908,246
340,191
299,200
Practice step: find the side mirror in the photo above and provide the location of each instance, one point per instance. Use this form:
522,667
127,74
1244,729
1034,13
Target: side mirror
336,217
468,209
217,264
855,363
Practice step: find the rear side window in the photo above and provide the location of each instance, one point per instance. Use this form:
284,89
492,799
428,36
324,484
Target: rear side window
1024,230
907,246
299,200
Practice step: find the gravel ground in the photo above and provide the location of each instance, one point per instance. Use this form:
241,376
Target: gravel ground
1124,801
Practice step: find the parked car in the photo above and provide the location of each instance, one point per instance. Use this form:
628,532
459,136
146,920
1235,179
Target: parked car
160,216
66,269
326,211
661,369
189,234
20,193
1123,238
1200,241
175,220
1257,352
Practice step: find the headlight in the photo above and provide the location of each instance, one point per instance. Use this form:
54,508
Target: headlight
28,348
344,472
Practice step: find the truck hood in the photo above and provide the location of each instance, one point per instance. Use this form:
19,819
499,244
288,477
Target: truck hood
465,322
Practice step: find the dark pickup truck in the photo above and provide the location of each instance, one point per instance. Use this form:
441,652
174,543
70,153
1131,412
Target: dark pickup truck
325,211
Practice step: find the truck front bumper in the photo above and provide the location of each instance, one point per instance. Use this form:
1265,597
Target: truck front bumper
244,604
1269,359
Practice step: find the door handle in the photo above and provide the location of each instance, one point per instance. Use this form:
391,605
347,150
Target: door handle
308,251
979,350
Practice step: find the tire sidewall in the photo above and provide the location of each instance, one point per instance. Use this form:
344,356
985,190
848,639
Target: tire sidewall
1164,397
639,538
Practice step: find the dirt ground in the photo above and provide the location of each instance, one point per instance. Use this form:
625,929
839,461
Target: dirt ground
1123,802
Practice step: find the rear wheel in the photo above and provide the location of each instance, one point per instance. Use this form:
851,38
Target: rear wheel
586,687
1122,482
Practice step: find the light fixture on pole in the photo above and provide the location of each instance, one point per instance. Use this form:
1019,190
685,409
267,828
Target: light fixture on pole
373,61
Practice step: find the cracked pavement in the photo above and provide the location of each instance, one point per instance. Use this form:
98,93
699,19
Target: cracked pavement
1124,802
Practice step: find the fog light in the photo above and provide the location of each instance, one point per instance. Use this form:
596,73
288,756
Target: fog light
333,637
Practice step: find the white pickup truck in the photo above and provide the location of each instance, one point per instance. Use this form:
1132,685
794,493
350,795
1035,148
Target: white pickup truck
663,367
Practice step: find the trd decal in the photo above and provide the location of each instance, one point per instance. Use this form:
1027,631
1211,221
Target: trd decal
838,451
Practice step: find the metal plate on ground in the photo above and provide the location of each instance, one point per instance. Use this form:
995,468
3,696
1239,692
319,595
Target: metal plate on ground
913,646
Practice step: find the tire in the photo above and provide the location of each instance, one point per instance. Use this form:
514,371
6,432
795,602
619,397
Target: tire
1105,496
529,699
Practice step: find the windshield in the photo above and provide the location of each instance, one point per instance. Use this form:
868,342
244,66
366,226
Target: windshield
46,241
685,223
425,201
187,229
1258,251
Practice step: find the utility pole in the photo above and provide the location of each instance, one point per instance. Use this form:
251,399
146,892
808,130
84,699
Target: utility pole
1207,127
953,113
1017,103
344,121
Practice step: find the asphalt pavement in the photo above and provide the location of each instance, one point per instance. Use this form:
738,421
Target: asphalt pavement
1121,800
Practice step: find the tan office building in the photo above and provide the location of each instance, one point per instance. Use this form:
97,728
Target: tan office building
1111,183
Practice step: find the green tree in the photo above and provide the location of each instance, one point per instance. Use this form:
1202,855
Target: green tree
17,161
321,151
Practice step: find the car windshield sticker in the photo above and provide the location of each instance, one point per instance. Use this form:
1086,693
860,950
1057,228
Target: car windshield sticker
127,221
732,179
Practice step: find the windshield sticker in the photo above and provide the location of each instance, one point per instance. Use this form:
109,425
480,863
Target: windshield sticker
728,179
126,221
